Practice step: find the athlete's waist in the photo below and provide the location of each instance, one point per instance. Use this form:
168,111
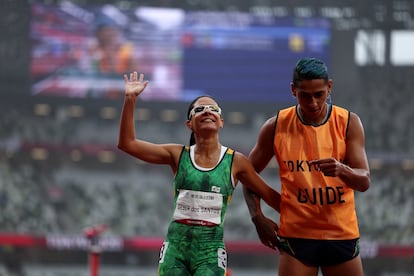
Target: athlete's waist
181,231
195,222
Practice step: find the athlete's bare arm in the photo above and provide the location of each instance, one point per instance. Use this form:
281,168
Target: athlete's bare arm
143,150
245,172
260,157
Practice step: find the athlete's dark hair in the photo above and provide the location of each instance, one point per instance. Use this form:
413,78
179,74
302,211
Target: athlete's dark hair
309,69
190,107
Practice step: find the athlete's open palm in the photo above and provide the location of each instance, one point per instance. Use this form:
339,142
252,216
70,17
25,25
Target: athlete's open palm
134,85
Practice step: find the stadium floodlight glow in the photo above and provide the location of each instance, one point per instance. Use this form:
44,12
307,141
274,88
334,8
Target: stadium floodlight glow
42,109
39,154
236,118
75,111
108,113
169,115
143,114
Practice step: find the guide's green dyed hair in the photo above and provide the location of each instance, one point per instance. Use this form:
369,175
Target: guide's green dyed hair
309,69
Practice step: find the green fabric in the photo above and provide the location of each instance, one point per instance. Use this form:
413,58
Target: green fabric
195,249
191,257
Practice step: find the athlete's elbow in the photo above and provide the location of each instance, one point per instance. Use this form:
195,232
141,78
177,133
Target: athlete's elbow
273,200
119,146
364,184
122,145
276,200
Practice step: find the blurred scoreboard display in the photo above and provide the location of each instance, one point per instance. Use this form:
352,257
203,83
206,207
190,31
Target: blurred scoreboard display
196,51
235,56
238,56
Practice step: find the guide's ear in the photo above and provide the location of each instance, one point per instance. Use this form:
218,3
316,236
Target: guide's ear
293,89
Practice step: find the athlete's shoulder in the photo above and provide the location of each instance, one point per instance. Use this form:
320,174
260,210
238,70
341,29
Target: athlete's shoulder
340,108
183,152
230,151
341,113
287,111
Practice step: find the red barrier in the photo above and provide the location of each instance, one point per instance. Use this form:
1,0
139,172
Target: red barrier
114,244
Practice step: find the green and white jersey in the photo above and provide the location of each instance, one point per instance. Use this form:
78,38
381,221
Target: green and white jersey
201,197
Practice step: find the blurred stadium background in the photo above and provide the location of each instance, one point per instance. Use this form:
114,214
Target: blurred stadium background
61,171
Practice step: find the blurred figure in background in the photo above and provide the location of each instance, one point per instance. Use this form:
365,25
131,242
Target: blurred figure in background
112,53
205,176
320,149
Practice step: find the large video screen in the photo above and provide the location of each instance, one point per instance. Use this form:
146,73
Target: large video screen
84,51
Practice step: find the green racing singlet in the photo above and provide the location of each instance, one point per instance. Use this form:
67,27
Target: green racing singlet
194,242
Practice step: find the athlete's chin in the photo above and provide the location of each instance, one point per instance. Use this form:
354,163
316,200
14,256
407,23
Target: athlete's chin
211,127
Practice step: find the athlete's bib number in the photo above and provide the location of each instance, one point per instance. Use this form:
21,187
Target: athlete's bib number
201,206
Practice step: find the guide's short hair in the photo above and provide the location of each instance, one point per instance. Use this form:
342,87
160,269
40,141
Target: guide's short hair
309,69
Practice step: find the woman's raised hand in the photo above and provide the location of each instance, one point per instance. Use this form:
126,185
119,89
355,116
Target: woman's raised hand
134,85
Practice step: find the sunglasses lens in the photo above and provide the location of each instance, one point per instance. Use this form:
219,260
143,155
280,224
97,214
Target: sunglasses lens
215,108
199,109
202,108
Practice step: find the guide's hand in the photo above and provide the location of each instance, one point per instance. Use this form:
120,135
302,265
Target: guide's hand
133,85
328,166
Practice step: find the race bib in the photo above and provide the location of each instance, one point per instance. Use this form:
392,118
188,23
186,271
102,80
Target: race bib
198,206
